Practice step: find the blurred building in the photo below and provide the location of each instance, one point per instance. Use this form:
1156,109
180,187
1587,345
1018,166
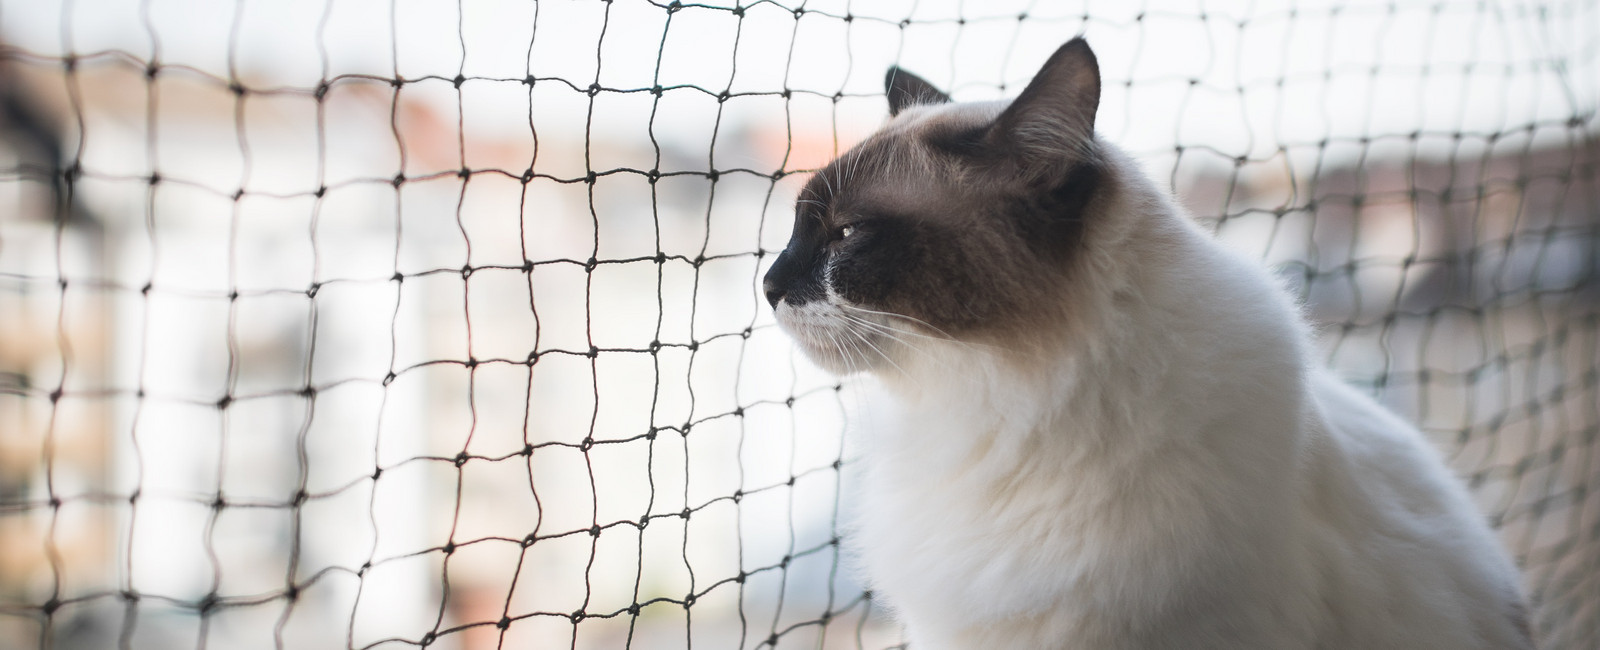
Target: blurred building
315,365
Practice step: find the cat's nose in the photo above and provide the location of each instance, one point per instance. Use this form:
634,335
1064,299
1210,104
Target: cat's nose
778,279
774,293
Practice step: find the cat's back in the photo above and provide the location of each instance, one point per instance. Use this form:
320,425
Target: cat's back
1407,559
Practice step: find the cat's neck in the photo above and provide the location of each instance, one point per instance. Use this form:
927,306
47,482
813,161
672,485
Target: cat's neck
1161,316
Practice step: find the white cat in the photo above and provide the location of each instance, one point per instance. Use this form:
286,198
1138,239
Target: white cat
1105,431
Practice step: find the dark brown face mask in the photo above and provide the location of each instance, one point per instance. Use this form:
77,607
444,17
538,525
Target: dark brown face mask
954,216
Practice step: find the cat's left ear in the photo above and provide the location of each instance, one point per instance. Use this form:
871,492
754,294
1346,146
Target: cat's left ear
905,89
1051,124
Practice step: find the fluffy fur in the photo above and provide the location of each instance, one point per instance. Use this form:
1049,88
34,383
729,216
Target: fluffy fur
1129,446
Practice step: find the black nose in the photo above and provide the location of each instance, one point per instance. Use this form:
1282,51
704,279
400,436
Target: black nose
780,278
774,293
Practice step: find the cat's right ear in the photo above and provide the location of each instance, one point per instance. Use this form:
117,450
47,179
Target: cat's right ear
1051,123
905,89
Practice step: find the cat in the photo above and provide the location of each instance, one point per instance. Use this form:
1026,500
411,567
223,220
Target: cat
1101,429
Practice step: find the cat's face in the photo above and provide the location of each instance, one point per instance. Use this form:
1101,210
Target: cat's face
954,221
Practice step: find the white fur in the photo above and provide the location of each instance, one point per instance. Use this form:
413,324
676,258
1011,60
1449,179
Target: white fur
1174,471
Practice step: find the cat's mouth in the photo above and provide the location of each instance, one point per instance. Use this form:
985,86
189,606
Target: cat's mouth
833,339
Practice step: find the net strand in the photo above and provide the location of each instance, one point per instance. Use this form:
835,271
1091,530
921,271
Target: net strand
1487,217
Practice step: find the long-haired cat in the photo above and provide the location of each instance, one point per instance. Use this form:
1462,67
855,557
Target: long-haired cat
1105,431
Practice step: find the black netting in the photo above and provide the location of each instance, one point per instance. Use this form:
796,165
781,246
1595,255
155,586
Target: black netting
359,324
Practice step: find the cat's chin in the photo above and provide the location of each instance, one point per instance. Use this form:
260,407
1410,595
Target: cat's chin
828,340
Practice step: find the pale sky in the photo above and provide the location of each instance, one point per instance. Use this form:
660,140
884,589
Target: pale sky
1161,46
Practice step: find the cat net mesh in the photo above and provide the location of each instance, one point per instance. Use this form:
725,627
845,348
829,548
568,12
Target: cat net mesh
366,324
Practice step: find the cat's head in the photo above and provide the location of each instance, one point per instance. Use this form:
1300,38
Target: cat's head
952,222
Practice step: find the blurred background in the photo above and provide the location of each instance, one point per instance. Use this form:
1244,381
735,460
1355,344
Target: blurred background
361,324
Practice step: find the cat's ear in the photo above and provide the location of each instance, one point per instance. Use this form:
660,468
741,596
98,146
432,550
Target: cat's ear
906,89
1051,123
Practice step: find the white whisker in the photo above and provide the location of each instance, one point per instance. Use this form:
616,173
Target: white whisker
887,332
843,356
827,182
858,354
894,332
863,338
942,335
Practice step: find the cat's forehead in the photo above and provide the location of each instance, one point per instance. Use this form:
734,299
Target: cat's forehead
899,164
921,121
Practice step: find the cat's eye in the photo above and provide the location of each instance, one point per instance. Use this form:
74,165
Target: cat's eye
846,231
